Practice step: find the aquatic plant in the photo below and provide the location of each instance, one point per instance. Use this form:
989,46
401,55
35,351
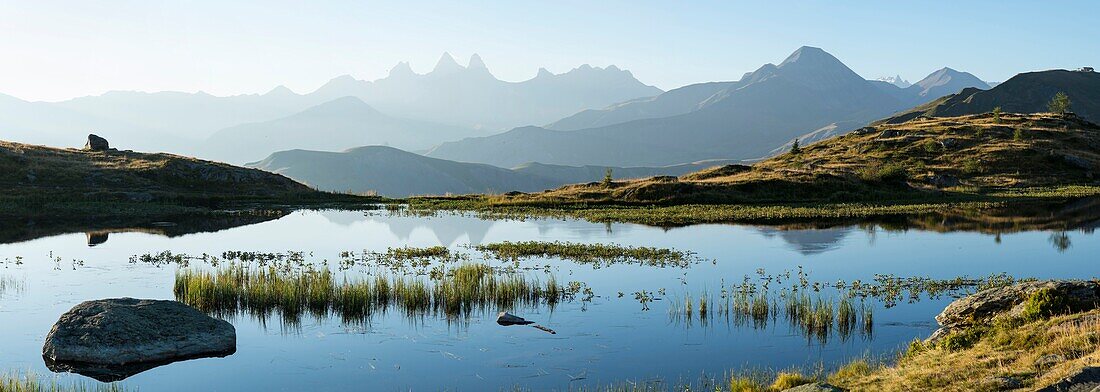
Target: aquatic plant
262,291
597,255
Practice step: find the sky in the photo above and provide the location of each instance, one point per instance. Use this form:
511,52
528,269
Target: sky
55,50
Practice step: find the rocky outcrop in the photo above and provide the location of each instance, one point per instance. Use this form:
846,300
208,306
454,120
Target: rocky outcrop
1009,301
1084,380
111,338
815,387
96,143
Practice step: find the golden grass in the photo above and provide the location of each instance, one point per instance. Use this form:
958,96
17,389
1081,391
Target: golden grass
1005,350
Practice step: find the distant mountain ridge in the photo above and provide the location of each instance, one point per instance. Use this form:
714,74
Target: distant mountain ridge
1024,93
745,119
331,126
392,172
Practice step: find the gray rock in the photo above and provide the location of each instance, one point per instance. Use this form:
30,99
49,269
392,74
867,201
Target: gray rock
1002,383
864,131
96,143
1049,360
889,133
505,318
949,143
1084,380
940,180
815,387
109,338
1078,162
1008,301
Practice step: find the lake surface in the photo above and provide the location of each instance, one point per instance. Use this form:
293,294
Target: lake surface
605,340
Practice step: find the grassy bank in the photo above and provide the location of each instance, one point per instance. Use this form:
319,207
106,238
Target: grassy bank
974,204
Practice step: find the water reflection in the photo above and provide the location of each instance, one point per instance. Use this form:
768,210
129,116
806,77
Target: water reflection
113,373
809,241
14,230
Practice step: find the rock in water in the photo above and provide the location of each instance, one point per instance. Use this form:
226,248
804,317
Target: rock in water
96,143
505,318
111,339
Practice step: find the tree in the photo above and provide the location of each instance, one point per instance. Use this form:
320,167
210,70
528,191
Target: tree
795,149
607,178
1059,104
997,115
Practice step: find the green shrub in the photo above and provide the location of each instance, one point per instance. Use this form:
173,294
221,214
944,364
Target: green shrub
963,339
931,146
1044,303
882,172
972,166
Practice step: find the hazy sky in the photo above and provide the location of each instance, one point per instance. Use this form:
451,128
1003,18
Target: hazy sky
53,50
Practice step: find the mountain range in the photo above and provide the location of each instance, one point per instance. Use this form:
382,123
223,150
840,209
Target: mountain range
451,96
392,172
747,119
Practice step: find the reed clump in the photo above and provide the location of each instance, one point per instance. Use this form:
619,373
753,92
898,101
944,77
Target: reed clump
597,255
263,291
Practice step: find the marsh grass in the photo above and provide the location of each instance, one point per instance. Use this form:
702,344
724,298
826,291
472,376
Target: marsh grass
596,255
263,291
29,382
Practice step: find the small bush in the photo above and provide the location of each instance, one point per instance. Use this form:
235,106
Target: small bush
931,146
963,339
788,380
1044,303
972,166
883,172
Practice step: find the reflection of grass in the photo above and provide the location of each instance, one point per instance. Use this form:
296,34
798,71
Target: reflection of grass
26,382
596,254
10,284
457,293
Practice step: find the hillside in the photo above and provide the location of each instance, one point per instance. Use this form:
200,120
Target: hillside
332,126
36,174
890,161
809,90
1024,93
391,172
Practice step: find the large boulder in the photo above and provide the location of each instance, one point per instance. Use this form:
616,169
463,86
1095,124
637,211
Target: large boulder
96,143
1009,301
1084,380
109,339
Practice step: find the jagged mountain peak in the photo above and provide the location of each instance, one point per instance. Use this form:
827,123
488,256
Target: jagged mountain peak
476,63
447,64
402,69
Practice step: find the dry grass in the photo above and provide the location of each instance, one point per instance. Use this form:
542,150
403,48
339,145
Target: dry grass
1005,350
888,160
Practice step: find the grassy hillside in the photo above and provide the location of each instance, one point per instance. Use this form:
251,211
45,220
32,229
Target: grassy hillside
51,181
1024,93
897,161
913,167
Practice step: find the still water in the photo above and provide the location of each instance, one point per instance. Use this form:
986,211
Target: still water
609,339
